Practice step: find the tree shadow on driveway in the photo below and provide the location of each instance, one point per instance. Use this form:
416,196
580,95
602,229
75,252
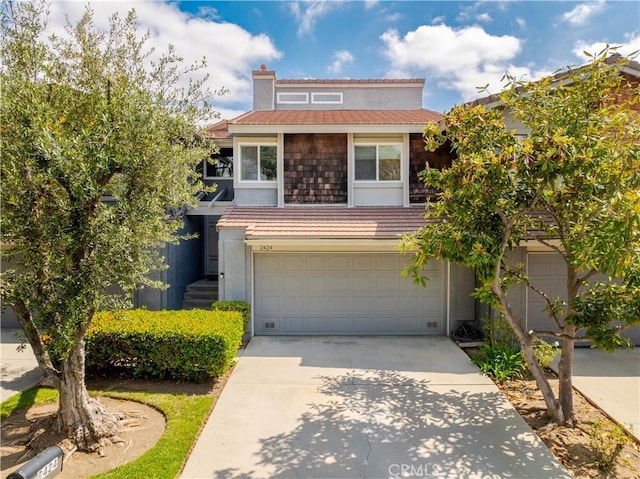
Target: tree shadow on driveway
381,423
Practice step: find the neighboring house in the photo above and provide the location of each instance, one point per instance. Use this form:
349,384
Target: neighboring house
544,267
324,182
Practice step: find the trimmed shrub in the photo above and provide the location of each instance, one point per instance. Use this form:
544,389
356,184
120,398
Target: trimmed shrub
240,306
190,345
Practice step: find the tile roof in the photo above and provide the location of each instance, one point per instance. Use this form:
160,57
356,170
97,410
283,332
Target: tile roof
632,67
324,222
219,131
346,81
337,117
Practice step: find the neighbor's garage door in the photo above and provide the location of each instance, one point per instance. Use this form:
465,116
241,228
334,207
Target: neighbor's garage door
345,293
548,272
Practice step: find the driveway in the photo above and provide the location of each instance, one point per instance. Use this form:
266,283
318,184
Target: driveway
341,407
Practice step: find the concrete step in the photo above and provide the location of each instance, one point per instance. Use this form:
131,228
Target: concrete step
201,294
203,285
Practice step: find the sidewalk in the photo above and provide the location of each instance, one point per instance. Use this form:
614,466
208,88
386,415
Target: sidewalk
19,369
611,381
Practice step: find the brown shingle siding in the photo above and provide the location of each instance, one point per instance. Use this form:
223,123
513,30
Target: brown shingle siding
315,168
418,158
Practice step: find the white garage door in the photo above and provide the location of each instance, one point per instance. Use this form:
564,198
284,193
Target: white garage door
345,293
548,272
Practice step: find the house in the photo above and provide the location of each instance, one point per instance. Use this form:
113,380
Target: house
545,268
323,179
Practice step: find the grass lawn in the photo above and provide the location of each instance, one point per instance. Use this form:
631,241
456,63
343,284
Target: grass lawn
184,413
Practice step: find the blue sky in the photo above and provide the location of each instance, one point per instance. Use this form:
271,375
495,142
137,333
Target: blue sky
455,46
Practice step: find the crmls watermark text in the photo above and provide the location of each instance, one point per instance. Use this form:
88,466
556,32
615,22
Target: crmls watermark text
410,470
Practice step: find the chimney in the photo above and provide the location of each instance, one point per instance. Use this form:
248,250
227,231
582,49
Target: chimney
264,88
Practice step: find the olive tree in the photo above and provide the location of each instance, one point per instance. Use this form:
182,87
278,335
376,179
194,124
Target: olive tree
572,184
99,142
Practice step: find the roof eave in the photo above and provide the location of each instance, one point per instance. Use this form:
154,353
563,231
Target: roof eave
323,128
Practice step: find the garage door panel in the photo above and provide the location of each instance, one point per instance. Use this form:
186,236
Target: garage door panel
361,304
385,304
339,263
339,304
362,263
292,303
339,286
290,324
271,263
345,293
315,324
340,324
387,263
271,304
316,263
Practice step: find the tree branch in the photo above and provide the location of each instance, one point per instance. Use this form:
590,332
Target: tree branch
557,335
547,300
587,275
50,375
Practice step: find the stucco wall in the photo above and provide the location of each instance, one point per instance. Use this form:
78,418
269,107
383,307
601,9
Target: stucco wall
234,265
256,196
355,98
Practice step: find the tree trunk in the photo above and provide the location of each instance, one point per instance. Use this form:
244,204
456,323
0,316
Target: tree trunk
81,418
554,407
565,376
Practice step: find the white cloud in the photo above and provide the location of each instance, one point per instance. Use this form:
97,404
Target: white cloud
581,13
484,18
521,22
307,17
457,59
393,17
370,3
439,19
632,45
231,51
340,58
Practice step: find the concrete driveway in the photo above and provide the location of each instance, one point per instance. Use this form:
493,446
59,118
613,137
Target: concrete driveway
329,407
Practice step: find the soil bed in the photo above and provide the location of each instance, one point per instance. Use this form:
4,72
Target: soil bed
571,445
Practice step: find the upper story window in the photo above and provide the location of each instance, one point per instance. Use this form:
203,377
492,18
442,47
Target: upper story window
326,98
378,162
293,97
220,165
258,162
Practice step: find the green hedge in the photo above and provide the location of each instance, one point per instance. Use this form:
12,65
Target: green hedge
240,306
190,345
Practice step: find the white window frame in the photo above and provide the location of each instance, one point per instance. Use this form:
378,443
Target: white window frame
238,167
293,102
378,144
314,99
